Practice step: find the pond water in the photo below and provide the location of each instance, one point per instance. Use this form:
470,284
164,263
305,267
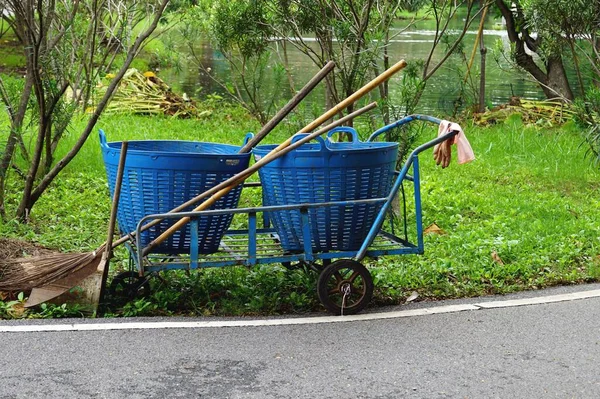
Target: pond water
413,44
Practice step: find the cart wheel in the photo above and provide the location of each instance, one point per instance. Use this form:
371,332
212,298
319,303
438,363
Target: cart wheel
129,285
345,287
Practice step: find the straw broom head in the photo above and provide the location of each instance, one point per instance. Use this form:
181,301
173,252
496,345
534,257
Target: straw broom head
23,274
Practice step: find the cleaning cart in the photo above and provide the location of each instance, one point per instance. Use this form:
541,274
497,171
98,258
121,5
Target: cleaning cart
325,206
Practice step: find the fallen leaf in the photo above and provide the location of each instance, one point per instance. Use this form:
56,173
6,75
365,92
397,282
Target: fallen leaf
433,229
497,258
412,296
17,310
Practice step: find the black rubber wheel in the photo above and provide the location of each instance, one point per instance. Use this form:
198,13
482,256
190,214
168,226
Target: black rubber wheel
129,285
345,287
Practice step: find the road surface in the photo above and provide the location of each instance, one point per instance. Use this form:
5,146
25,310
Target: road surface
538,351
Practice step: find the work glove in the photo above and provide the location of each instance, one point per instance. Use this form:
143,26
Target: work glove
442,153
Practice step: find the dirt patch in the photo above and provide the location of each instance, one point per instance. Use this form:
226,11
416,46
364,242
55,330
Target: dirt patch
11,248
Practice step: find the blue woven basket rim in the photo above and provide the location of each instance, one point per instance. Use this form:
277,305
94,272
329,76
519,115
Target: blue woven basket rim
234,149
336,147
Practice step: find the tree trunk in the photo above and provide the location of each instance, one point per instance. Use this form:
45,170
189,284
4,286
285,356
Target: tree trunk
13,139
385,88
553,80
557,84
286,66
483,52
329,89
31,194
596,77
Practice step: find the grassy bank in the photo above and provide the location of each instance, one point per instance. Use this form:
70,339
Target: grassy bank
11,54
524,215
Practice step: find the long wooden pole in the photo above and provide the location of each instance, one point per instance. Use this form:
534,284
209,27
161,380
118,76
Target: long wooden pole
116,196
239,178
269,126
233,181
105,262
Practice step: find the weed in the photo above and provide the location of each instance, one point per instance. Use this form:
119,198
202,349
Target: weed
53,311
139,307
13,309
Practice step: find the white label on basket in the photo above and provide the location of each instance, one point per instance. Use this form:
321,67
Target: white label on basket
232,162
258,157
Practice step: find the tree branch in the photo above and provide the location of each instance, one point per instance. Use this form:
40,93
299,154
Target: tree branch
61,164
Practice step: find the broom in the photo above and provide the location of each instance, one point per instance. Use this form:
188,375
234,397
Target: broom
22,274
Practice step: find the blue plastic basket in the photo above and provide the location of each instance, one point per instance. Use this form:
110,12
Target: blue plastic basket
160,175
323,172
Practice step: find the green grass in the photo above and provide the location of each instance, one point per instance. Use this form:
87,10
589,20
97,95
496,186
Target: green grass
11,55
530,197
422,13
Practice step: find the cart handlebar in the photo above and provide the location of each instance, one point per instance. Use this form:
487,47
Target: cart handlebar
423,147
404,121
412,158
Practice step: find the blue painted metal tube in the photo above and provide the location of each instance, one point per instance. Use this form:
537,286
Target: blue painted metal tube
273,208
278,259
244,232
252,238
386,205
194,243
306,235
404,121
418,207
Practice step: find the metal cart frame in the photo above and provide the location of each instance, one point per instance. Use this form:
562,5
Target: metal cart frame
256,245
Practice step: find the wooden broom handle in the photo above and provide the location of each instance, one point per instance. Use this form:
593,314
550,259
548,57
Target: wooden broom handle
283,112
240,177
232,182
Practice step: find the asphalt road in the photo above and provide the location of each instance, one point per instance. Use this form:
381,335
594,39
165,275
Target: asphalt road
541,351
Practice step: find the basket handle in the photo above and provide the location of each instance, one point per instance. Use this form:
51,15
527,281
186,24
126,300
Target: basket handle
344,129
103,142
300,136
249,136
